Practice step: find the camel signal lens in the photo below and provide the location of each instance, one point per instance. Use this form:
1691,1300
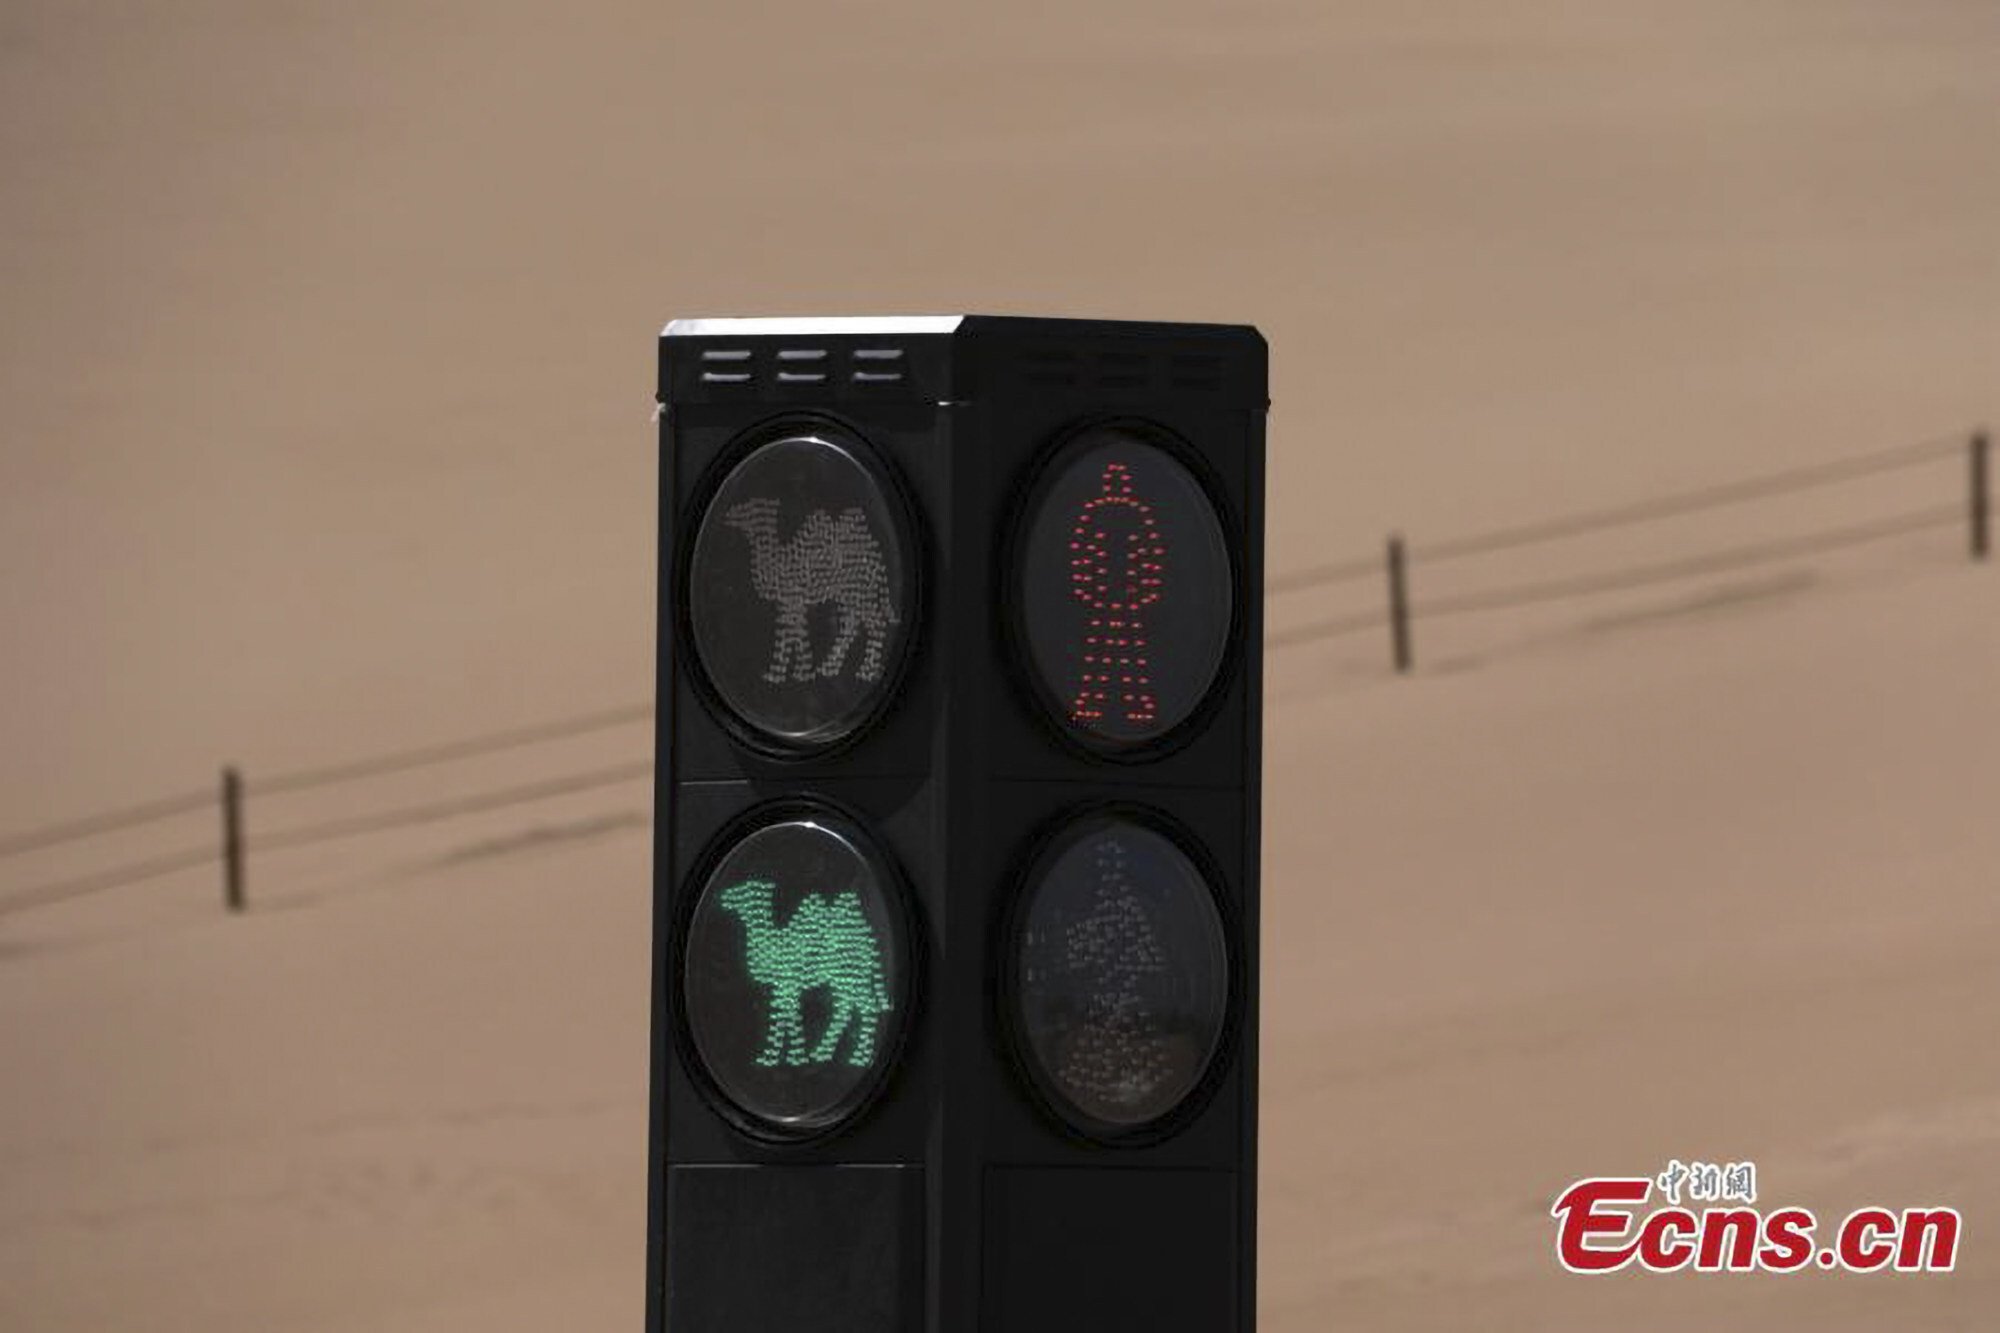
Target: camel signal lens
1120,976
1124,589
794,979
799,591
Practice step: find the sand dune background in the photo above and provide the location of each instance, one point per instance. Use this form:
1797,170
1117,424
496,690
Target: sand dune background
327,364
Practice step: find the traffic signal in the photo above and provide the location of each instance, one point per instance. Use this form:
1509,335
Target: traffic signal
956,878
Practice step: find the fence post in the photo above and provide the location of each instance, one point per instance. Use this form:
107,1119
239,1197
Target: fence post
232,840
1399,604
1982,495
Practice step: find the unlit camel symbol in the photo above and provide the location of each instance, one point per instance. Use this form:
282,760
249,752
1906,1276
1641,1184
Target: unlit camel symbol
829,559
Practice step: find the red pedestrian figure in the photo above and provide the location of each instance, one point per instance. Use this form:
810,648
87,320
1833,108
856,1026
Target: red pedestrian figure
1116,563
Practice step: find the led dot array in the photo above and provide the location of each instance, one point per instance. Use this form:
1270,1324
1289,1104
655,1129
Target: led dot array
1117,569
1117,1054
827,944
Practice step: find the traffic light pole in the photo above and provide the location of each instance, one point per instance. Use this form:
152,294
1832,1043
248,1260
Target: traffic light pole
956,877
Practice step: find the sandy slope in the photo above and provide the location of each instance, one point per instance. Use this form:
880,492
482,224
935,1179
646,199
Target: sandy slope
326,364
1724,879
1677,913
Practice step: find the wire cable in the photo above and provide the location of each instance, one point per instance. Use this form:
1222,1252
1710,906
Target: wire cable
425,814
404,760
63,891
1594,520
1327,629
1714,562
1315,575
1687,502
110,822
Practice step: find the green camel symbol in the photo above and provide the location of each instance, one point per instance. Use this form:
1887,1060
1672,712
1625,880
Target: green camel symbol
828,942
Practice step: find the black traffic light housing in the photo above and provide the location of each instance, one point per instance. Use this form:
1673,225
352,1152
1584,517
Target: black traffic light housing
867,642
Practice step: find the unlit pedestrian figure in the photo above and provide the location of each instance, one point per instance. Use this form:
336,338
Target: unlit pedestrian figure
1118,1054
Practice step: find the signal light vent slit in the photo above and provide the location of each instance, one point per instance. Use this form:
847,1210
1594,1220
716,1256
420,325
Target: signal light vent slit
801,365
1123,370
877,365
1193,371
735,359
1051,366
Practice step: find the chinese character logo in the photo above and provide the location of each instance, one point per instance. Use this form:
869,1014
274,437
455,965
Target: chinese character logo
1117,563
1708,1182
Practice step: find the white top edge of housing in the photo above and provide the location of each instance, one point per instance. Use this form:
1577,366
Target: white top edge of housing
809,325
